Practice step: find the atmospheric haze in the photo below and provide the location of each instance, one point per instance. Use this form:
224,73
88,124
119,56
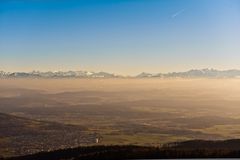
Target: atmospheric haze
143,111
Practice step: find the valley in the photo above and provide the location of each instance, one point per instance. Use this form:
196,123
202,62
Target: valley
49,114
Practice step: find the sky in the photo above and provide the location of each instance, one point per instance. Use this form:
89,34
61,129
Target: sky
119,36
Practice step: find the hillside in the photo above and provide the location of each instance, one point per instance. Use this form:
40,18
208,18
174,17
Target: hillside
187,149
21,136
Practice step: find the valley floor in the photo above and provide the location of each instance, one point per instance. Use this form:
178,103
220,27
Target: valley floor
49,114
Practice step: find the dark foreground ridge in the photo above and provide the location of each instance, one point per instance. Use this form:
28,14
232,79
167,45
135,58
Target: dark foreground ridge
187,149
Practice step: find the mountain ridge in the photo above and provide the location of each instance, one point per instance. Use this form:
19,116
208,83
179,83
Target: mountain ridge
193,73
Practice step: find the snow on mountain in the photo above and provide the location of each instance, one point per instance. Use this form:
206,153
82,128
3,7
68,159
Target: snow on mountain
194,73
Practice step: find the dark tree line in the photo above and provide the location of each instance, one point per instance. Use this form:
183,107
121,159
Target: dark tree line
188,149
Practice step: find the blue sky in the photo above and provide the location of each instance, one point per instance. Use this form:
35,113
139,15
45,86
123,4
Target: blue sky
120,36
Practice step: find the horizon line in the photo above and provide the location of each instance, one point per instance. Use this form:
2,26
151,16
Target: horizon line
116,74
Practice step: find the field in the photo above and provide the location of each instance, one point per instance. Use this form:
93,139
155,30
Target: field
116,111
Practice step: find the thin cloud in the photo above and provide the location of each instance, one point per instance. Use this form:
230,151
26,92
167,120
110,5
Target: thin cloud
177,13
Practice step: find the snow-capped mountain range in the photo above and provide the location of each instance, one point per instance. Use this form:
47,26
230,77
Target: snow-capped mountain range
194,73
58,74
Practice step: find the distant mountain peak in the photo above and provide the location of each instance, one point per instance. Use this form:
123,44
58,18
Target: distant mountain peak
193,73
144,74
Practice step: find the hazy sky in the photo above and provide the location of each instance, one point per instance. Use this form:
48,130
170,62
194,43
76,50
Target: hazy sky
120,36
